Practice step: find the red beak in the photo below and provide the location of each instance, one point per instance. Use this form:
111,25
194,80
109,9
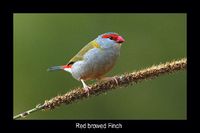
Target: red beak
120,39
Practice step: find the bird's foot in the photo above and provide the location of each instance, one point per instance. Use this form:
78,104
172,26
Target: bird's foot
109,78
87,89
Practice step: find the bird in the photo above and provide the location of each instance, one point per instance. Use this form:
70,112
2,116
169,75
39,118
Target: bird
95,59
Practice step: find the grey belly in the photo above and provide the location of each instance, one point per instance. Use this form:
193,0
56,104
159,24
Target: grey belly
96,63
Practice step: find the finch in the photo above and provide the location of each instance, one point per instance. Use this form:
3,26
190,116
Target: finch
95,59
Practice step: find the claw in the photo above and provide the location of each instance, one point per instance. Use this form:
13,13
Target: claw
116,80
86,88
110,78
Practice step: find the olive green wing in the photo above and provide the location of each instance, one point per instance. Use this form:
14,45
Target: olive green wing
81,53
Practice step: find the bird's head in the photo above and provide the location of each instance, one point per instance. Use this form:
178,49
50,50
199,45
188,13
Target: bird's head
109,39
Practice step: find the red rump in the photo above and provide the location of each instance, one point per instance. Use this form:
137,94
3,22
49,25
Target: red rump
111,36
67,66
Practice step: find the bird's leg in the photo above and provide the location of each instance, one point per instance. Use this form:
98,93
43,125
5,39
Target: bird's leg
109,78
85,87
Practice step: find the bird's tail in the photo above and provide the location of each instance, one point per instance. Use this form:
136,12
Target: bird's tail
55,68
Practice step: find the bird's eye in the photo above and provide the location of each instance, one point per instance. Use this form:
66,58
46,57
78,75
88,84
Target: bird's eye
111,37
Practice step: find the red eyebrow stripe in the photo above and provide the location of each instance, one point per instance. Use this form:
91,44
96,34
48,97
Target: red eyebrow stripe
105,36
109,35
114,36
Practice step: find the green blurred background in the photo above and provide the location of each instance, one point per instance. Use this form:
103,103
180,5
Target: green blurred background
44,40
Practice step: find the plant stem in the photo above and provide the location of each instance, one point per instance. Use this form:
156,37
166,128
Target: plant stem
113,83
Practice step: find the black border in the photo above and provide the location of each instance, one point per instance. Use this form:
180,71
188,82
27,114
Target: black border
87,6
